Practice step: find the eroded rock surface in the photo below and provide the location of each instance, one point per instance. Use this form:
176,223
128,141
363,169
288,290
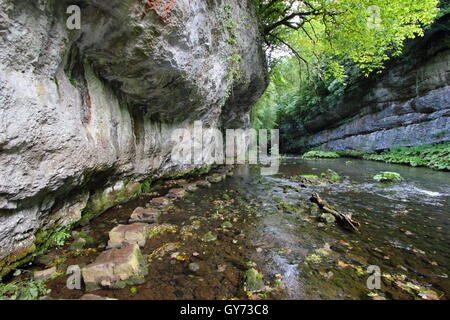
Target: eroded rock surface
407,105
83,111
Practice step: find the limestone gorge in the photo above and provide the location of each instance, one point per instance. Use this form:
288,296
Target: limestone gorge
87,114
93,205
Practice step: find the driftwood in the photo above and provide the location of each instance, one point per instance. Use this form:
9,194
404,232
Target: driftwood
344,220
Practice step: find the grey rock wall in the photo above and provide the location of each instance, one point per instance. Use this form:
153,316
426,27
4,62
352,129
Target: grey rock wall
82,112
407,105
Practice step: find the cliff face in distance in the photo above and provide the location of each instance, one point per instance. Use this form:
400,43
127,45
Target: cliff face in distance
408,104
86,115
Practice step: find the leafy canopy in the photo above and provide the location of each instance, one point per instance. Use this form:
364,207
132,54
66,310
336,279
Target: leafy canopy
333,32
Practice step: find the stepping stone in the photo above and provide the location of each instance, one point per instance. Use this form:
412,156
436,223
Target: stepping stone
144,215
94,297
176,193
161,202
176,183
216,178
203,184
115,269
191,187
122,235
44,275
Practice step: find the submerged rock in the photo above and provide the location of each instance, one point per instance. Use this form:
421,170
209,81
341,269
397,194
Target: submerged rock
191,187
253,281
194,267
116,268
161,202
203,184
136,233
176,193
327,218
144,215
216,178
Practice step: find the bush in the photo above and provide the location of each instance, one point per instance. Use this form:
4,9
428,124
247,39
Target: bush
321,154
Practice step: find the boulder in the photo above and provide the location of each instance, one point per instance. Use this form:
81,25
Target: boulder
253,281
136,233
144,215
161,202
176,193
115,269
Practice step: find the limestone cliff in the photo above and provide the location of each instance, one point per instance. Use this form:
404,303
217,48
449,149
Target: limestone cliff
408,104
86,115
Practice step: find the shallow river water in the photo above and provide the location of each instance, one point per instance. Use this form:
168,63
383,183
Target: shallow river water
268,222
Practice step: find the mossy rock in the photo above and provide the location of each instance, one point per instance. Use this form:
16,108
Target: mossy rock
388,177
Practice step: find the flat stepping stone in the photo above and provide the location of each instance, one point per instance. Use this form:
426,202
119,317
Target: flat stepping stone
191,187
144,215
115,269
44,275
203,184
176,193
122,235
216,178
161,202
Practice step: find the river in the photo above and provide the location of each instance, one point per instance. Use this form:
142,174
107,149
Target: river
268,222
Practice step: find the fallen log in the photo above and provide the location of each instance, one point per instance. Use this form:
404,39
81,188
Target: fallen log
345,220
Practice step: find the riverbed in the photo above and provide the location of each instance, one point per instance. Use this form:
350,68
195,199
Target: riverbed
268,223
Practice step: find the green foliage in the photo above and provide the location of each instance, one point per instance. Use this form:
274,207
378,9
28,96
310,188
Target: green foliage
388,177
59,238
23,290
364,32
432,156
321,154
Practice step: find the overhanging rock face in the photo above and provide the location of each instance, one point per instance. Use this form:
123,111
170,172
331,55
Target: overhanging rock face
82,110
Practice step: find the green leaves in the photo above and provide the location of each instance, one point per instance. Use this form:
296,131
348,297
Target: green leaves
367,33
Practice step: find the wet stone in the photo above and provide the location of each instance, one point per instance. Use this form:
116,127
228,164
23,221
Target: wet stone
144,215
327,218
194,267
115,269
176,193
203,184
122,235
44,274
216,178
191,187
161,202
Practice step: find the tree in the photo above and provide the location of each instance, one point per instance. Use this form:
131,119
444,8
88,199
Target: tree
330,33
